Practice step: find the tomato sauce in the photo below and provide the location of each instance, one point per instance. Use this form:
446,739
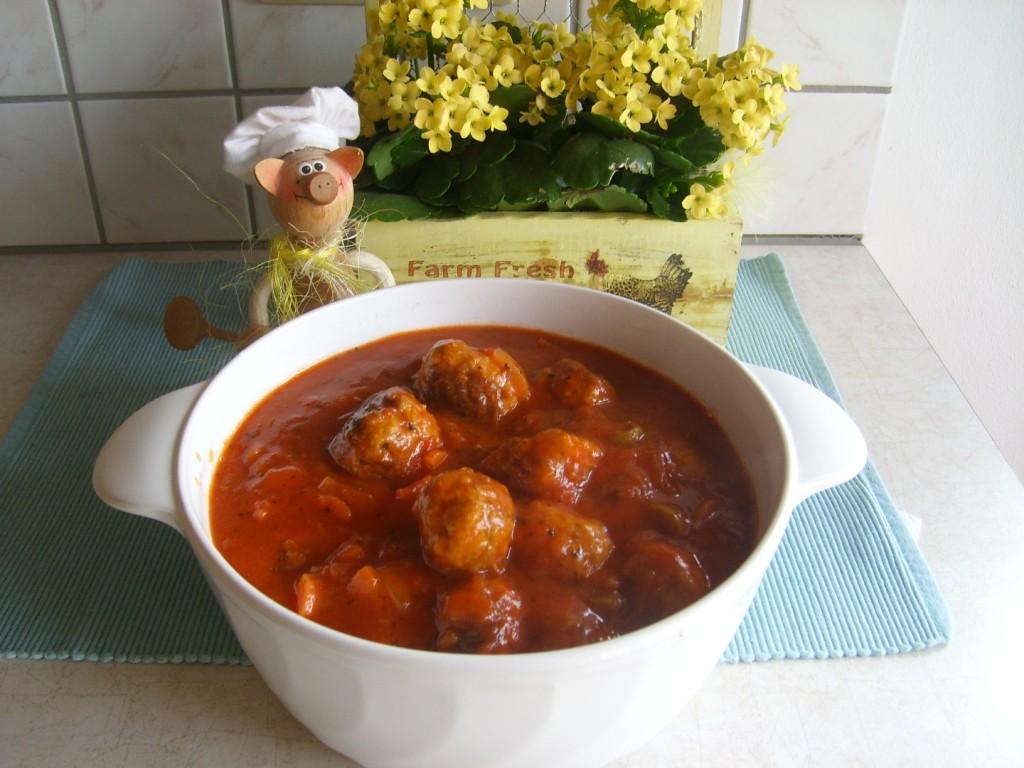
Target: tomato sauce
647,510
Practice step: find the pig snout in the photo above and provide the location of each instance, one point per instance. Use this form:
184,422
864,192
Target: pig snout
323,188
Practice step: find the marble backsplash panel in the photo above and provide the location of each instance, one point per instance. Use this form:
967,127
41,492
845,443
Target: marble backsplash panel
145,45
115,79
29,63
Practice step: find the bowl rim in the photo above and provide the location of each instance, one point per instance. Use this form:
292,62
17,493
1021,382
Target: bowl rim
745,577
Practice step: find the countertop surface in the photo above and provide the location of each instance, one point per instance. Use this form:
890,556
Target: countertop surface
954,706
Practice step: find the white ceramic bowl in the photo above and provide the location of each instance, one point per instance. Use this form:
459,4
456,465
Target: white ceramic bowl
400,708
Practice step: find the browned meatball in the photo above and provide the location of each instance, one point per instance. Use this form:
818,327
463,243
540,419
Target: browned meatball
552,540
575,385
484,384
386,437
480,615
552,464
558,618
466,521
661,577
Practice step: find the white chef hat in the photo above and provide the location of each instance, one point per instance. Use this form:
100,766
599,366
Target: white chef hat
321,118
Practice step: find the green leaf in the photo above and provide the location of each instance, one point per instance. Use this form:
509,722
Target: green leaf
667,202
659,205
582,162
673,161
631,155
514,98
612,198
640,19
469,161
701,147
483,192
496,147
397,150
399,181
513,31
528,176
611,127
435,177
385,206
636,183
687,119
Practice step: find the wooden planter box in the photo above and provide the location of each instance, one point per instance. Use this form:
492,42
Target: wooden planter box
686,269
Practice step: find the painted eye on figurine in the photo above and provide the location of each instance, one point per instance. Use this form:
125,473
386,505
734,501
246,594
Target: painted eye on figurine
305,169
319,166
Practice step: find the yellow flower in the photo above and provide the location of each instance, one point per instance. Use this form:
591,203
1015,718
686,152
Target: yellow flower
435,83
388,13
497,117
666,111
474,124
396,70
552,84
707,87
532,116
438,141
638,55
702,203
533,76
671,73
789,77
506,75
635,115
778,129
403,97
481,4
687,11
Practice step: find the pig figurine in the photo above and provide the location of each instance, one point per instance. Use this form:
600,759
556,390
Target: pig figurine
310,194
295,153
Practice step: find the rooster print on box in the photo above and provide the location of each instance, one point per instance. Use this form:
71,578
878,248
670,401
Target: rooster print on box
685,269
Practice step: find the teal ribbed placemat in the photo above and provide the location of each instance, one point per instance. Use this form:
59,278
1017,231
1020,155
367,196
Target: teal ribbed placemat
80,580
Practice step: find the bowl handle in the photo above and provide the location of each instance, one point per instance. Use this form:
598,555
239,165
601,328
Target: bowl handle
829,447
135,471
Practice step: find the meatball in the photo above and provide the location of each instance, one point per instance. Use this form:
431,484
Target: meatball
482,384
386,437
466,521
558,618
552,540
661,577
552,464
480,615
573,384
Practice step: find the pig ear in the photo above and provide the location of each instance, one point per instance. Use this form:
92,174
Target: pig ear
349,158
268,174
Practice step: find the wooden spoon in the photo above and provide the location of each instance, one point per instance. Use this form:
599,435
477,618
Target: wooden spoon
185,326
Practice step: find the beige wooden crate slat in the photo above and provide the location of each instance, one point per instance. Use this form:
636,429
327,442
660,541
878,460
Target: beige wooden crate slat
545,245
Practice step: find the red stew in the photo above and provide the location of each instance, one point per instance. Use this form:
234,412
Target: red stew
511,491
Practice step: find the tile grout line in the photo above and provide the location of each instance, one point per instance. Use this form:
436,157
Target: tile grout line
133,95
76,117
744,21
293,91
229,41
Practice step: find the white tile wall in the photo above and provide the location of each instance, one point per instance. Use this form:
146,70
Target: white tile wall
834,42
28,50
145,45
816,181
295,45
143,197
43,198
